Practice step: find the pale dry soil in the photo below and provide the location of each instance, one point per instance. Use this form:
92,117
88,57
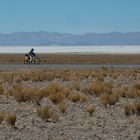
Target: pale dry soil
109,123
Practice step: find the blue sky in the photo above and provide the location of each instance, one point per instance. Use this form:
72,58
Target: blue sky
69,16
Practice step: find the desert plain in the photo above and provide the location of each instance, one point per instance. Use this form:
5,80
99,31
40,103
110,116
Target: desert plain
71,103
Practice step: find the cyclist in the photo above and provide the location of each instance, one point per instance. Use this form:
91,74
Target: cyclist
32,55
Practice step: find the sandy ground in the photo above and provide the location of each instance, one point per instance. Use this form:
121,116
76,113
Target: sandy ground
23,67
106,123
69,58
109,123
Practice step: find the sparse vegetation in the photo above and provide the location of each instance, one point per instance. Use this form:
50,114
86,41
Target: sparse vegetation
105,99
77,97
68,95
114,98
56,98
2,115
1,88
45,113
99,87
62,107
132,108
109,99
90,109
11,119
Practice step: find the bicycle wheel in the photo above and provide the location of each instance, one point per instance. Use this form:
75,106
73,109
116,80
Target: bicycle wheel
37,60
26,59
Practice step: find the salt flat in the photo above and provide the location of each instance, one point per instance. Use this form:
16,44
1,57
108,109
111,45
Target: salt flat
71,49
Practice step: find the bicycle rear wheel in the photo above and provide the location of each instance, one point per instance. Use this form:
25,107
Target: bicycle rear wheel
26,59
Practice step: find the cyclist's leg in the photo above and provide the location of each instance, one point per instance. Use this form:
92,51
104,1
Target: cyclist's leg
31,59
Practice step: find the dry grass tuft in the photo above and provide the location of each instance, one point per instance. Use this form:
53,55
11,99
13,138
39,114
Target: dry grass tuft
1,88
138,108
95,88
109,99
114,98
27,94
44,91
56,98
35,95
2,115
133,93
11,119
124,89
66,91
54,92
77,97
21,94
54,88
104,98
98,88
62,107
129,109
90,109
137,85
45,113
83,98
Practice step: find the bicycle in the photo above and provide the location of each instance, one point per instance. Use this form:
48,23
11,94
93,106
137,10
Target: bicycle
35,59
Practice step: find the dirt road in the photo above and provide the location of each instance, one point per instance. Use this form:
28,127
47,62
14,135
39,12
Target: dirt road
13,67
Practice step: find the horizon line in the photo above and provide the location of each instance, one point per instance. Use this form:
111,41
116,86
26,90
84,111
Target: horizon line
8,33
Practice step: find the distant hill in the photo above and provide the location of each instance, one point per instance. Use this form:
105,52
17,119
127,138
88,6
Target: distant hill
46,38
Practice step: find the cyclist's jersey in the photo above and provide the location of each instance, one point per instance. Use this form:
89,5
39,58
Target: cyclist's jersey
31,53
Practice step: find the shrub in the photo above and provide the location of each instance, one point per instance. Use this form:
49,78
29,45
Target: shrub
98,88
101,76
83,98
54,88
1,88
95,88
21,94
129,109
27,94
66,92
114,97
109,99
45,113
124,89
17,78
90,109
133,93
104,98
35,95
137,85
108,87
2,115
56,98
137,105
11,119
62,107
56,92
75,97
44,91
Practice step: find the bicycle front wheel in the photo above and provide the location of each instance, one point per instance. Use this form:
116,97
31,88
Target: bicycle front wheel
37,60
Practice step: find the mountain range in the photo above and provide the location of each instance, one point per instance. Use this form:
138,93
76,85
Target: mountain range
43,38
